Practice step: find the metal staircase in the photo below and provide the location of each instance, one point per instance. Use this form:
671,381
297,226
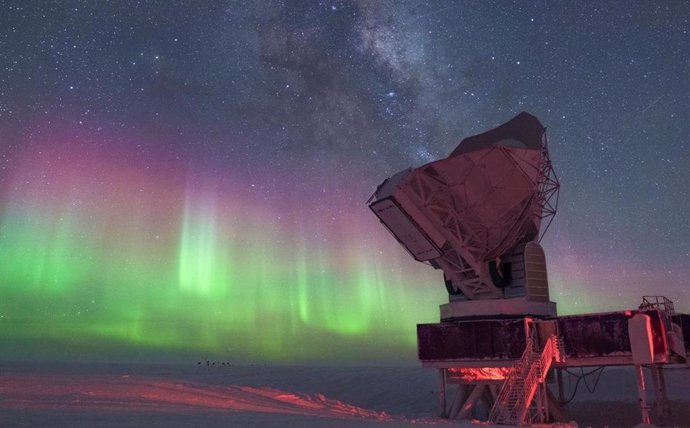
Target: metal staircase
513,405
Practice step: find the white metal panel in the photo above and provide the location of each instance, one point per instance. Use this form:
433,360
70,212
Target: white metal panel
418,217
640,331
675,340
405,230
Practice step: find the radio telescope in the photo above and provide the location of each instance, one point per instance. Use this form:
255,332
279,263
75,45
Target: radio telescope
477,215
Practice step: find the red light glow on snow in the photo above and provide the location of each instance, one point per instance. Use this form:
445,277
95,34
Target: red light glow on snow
129,393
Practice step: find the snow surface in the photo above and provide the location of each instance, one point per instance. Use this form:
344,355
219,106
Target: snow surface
194,395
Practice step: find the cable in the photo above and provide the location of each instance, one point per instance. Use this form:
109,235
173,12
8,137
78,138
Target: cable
583,376
596,380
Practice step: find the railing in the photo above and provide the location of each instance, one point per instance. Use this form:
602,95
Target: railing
658,302
550,352
513,402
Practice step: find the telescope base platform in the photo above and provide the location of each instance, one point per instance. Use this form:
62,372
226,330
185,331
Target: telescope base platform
496,308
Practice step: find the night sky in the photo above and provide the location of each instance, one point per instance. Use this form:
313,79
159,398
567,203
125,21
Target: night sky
188,180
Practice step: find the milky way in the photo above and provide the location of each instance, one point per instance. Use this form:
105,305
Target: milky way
188,179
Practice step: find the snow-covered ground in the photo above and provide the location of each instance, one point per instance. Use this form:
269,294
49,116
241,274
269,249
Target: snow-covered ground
270,396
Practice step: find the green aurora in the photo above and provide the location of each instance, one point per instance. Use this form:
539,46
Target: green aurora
104,258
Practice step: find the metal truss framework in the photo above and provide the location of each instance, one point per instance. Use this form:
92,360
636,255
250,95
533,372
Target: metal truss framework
471,239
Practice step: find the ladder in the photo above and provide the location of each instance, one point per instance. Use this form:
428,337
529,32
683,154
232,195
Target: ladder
513,403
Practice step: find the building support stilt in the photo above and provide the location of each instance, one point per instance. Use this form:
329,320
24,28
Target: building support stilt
442,392
559,380
488,399
556,409
660,397
644,407
545,401
471,401
664,394
540,404
460,396
494,389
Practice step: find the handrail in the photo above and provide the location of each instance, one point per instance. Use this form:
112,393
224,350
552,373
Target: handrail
522,382
658,302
